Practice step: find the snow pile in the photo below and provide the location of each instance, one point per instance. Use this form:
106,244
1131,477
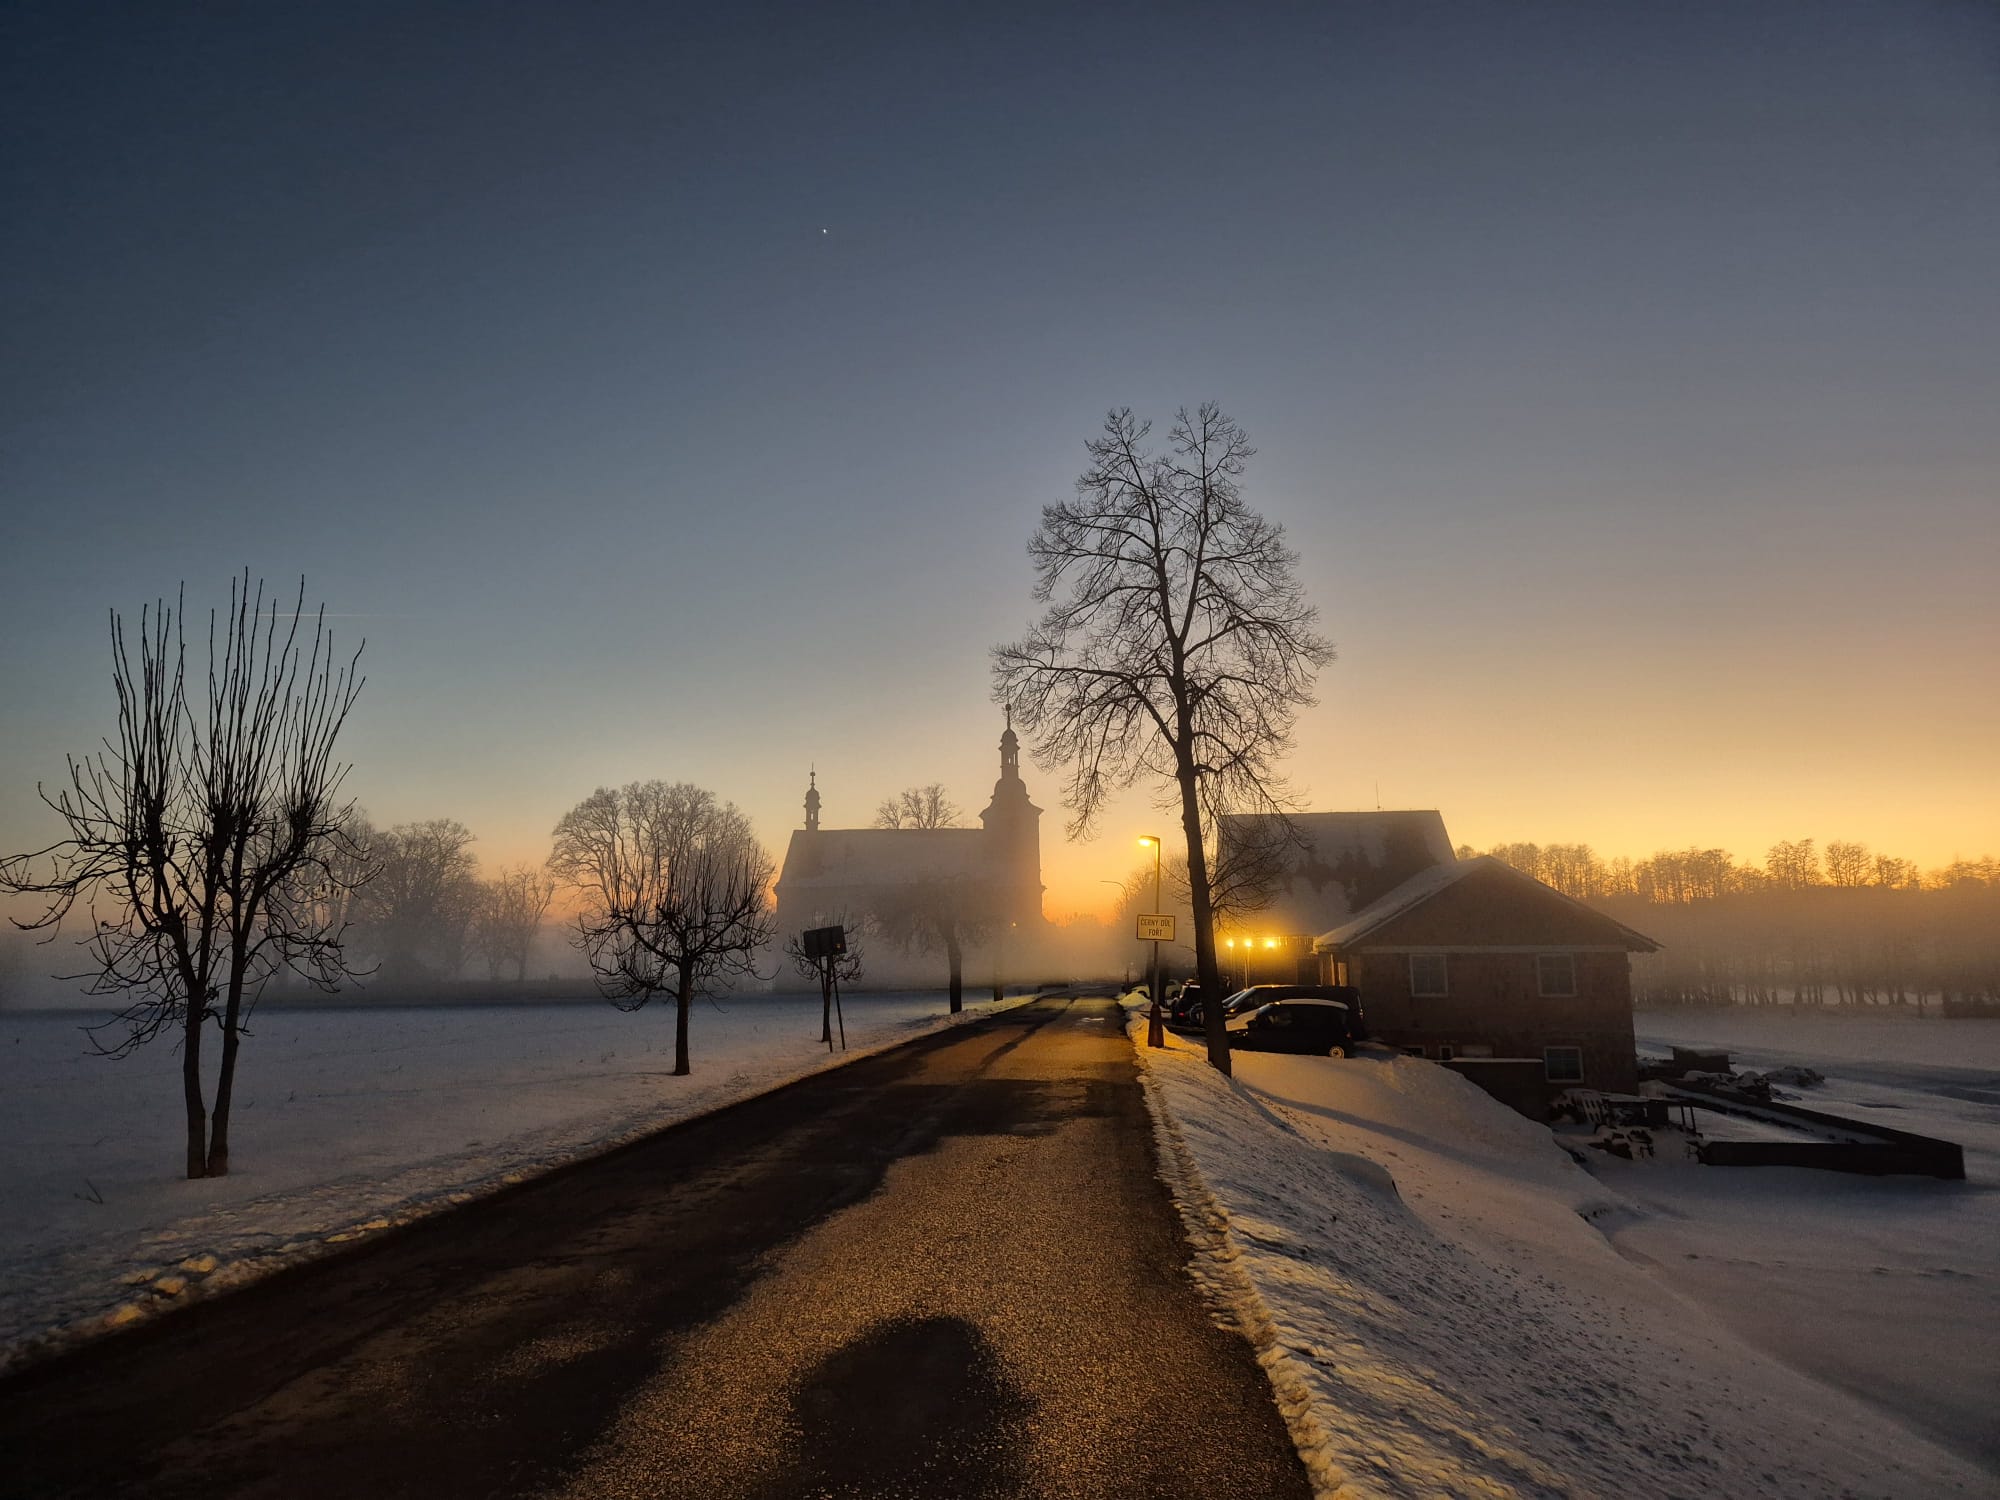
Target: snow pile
1419,1269
347,1121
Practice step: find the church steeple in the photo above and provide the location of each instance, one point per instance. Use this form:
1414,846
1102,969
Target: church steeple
1013,825
1010,751
812,800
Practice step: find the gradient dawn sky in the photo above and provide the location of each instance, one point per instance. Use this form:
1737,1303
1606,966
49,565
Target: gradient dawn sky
671,391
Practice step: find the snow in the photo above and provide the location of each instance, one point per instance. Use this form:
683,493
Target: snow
347,1121
1886,1287
1430,1286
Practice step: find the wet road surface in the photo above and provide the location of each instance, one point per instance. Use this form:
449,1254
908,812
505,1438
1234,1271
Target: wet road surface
948,1270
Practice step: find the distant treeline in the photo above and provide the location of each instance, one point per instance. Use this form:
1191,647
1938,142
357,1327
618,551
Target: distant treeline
1842,926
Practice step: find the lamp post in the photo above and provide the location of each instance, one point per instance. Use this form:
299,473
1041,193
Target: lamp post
1156,1034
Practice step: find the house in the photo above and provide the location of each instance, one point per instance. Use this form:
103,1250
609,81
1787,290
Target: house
988,878
1283,881
1475,960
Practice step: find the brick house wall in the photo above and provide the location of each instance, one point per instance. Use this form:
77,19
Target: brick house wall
1489,925
1494,1001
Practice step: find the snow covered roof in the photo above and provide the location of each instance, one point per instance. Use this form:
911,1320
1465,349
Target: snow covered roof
1422,887
882,856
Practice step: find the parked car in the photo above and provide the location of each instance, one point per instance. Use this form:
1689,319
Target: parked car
1184,1011
1326,1027
1257,995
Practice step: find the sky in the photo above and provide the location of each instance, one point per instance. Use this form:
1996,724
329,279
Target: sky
671,392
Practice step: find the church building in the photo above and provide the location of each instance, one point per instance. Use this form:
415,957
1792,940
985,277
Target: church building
993,873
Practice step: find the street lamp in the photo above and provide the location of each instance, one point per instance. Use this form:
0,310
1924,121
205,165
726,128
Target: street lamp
1156,1034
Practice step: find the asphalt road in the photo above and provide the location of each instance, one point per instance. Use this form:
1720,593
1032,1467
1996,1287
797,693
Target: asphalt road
945,1271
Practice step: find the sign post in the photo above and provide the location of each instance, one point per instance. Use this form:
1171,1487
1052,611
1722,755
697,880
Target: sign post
826,946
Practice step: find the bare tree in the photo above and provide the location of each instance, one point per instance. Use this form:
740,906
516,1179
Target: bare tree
918,807
1177,645
209,841
1848,864
420,904
511,908
945,915
675,893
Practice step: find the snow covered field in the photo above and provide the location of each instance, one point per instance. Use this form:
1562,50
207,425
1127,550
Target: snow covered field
347,1121
1886,1287
1441,1314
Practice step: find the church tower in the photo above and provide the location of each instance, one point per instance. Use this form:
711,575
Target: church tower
812,800
1013,827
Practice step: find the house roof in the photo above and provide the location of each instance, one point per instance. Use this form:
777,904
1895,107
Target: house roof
882,856
1428,884
1338,863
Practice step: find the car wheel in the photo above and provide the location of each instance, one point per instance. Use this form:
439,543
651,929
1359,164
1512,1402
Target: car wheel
1336,1052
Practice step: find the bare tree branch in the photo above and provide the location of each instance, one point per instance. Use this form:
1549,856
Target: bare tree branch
208,841
1176,646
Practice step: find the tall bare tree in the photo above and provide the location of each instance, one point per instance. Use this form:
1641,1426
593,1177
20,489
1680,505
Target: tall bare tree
918,807
1177,645
209,841
675,893
511,908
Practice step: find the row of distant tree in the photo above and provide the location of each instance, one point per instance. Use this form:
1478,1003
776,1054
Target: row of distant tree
1678,876
1843,926
417,911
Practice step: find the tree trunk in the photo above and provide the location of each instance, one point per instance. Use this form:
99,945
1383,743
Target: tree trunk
225,1083
225,1087
683,1003
955,957
197,1116
1207,973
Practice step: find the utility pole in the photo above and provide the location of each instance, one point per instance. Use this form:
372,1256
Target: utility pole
1156,1034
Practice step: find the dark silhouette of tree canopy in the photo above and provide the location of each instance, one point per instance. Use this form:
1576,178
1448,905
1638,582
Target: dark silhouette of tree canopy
918,807
510,912
675,893
422,898
1176,647
209,840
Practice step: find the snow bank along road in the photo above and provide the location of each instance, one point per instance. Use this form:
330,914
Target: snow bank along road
1428,1279
945,1270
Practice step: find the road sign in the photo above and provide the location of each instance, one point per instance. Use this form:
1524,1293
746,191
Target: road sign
824,942
1155,928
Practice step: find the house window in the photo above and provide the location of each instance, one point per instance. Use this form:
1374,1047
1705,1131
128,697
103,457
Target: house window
1555,975
1427,975
1413,1052
1340,973
1446,1052
1562,1064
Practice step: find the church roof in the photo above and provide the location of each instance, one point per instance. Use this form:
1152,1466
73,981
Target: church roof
858,857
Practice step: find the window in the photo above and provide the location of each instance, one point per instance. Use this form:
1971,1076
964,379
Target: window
1427,974
1555,974
1413,1052
1340,972
1562,1064
1446,1053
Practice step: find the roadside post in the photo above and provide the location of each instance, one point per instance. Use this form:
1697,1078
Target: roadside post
1158,927
826,946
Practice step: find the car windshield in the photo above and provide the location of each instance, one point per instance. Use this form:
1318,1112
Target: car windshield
1238,1001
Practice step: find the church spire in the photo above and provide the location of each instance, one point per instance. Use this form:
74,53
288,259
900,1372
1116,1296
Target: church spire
812,800
1010,750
